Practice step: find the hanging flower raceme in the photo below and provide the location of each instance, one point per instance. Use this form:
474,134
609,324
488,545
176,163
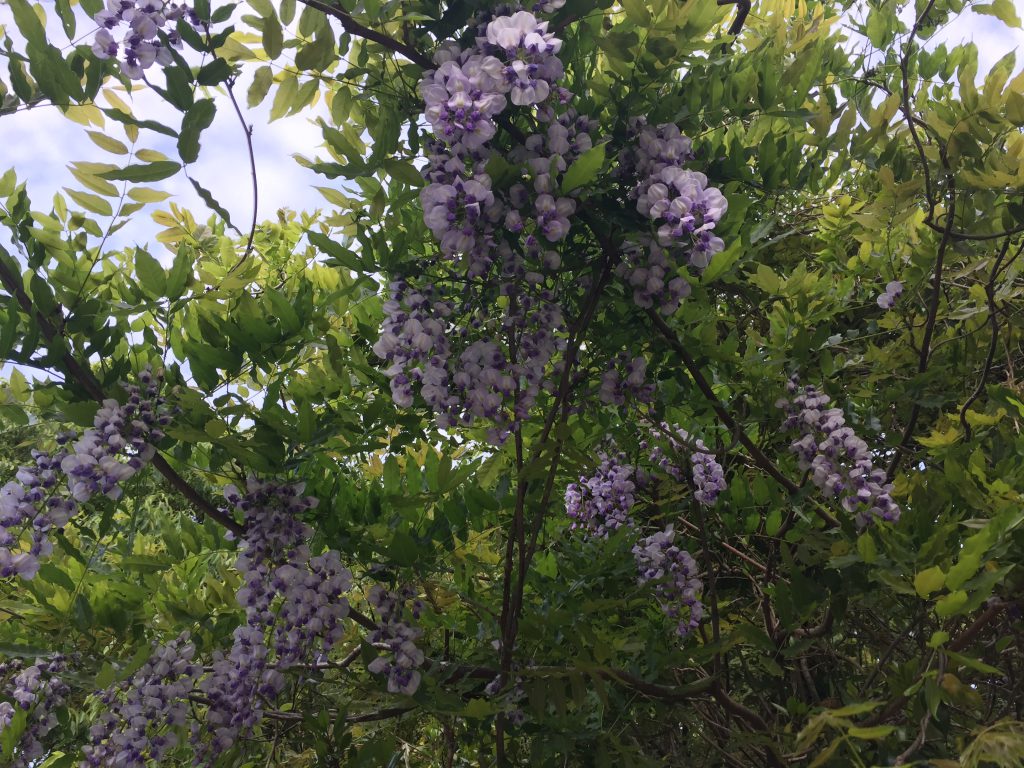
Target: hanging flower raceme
43,497
293,604
141,716
414,342
624,378
683,206
397,638
142,22
674,574
601,504
38,691
652,276
481,347
707,474
840,463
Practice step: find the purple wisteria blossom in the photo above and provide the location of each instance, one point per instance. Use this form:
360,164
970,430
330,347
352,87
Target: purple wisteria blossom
141,716
44,496
625,377
707,474
293,605
653,277
397,638
674,574
683,206
599,505
893,290
39,691
840,463
143,21
486,351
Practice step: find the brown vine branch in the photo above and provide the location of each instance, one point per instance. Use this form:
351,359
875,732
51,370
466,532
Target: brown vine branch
742,9
353,27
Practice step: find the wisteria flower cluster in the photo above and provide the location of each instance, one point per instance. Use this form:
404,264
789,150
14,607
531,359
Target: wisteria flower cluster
653,277
675,576
43,497
39,691
397,638
683,206
840,463
706,473
887,298
293,604
141,716
489,353
144,21
600,505
624,378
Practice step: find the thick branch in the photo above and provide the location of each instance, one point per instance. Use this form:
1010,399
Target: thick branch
353,27
742,9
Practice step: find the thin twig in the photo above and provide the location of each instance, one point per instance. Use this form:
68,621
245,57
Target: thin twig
247,129
993,317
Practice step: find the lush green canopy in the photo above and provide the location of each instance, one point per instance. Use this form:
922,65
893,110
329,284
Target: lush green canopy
870,248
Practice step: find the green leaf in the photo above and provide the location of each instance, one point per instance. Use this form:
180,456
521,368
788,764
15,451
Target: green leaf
181,272
122,117
317,55
342,256
54,575
1003,10
28,23
81,612
214,73
404,171
584,169
196,120
929,581
158,171
273,37
67,17
260,87
109,143
92,203
180,88
636,11
949,605
151,275
392,476
964,569
283,310
870,733
212,203
722,263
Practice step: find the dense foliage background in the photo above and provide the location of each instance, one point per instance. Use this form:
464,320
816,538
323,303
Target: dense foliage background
848,165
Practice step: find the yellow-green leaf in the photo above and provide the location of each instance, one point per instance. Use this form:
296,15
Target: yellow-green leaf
930,580
92,203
